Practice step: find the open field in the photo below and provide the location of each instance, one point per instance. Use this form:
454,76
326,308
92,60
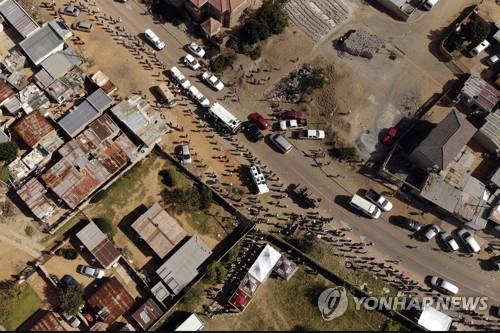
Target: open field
25,305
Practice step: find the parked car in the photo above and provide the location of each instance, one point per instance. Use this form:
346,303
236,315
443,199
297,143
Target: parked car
292,124
91,271
365,206
281,143
480,48
69,10
407,223
212,81
429,4
448,241
154,39
292,114
252,131
493,59
495,263
73,321
431,232
257,118
311,134
191,62
196,49
83,26
469,241
379,200
443,285
184,154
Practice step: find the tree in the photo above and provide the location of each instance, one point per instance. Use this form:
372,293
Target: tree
29,230
106,226
71,298
206,199
276,18
8,151
477,31
256,30
222,62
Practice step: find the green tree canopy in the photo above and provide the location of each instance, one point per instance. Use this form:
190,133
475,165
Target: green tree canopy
8,151
71,298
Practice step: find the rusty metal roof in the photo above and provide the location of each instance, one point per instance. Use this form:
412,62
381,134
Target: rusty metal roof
32,128
48,323
98,245
89,160
113,298
6,91
33,195
147,314
159,230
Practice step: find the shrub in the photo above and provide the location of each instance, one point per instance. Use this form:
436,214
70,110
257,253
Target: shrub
8,151
191,199
255,31
222,62
69,254
29,230
348,153
216,272
106,226
4,173
169,177
255,53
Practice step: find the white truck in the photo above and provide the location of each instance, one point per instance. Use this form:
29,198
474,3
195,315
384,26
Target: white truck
429,4
180,78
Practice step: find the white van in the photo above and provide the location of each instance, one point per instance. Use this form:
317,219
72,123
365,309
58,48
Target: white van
199,97
429,4
153,38
365,206
480,48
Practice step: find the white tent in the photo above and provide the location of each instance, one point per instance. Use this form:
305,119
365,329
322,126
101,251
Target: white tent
192,323
262,267
434,320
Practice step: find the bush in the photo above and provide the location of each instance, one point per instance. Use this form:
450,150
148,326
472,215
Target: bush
255,31
4,173
216,272
222,62
71,298
255,53
476,31
271,18
348,153
169,177
105,226
8,151
29,230
315,80
192,199
69,254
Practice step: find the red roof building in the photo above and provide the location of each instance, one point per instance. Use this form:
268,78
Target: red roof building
111,300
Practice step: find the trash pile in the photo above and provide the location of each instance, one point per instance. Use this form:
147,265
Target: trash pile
290,89
362,43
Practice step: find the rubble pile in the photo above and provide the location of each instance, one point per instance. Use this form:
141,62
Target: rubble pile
362,43
290,89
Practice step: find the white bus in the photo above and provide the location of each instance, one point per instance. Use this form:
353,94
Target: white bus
224,118
180,78
259,179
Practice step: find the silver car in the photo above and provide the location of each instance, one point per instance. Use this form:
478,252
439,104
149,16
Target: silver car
91,271
83,26
184,154
69,10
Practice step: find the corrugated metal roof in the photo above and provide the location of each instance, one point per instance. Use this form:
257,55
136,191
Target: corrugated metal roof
6,91
57,65
182,267
159,230
32,128
44,79
4,137
481,92
33,195
147,314
113,298
491,129
42,43
18,18
48,323
100,100
98,244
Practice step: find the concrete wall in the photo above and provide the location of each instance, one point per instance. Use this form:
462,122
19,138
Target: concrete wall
398,12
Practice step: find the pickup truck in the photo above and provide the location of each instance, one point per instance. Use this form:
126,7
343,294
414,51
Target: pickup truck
378,200
293,124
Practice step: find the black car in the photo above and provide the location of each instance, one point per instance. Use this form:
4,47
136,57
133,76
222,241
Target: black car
251,131
495,263
409,224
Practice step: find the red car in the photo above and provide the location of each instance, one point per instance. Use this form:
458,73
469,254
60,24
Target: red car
259,121
292,114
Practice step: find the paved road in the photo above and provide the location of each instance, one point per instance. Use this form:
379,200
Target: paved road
295,168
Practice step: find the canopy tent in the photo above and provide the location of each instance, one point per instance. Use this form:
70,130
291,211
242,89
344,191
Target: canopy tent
262,267
434,320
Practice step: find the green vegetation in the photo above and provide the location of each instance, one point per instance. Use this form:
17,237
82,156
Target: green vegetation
17,305
193,298
71,298
190,200
313,81
222,62
29,230
106,226
471,34
271,18
70,254
255,53
345,153
216,272
4,173
8,151
394,326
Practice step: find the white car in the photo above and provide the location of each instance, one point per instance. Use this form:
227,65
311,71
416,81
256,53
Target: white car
180,78
191,62
469,241
291,124
154,39
212,81
196,50
431,232
443,285
199,97
311,134
448,241
91,271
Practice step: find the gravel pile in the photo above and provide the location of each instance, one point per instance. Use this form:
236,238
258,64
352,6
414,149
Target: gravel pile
362,43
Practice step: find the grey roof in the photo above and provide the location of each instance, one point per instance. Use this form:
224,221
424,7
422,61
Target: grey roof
160,292
41,44
87,111
481,93
182,267
57,65
61,28
491,129
495,178
44,79
3,137
98,244
399,3
18,18
444,142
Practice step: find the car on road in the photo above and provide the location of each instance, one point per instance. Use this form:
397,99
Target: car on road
213,81
69,10
443,286
379,200
91,271
257,118
184,154
154,39
252,131
311,134
196,49
293,114
407,223
448,241
292,124
431,232
469,241
191,62
83,26
281,143
365,206
258,179
199,98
